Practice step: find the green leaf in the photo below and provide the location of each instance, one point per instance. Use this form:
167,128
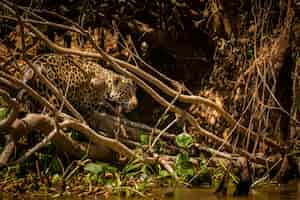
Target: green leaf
94,168
184,140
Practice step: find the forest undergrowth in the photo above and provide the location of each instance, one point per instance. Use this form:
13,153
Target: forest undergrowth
217,89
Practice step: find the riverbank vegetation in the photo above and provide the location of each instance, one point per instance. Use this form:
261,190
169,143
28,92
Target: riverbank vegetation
217,89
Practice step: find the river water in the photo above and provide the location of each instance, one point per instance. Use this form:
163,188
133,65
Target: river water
290,191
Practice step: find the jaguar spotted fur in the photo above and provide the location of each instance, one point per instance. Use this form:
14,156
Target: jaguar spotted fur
86,84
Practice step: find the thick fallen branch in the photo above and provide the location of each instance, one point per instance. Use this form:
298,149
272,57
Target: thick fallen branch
109,123
8,149
46,125
98,139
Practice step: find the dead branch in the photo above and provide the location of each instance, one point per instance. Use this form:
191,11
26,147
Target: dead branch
109,123
31,92
47,23
8,149
78,150
99,139
46,125
12,107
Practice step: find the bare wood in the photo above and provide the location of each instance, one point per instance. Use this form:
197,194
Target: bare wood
12,107
8,149
99,139
30,91
108,123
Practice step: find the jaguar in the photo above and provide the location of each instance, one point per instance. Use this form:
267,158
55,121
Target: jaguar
87,85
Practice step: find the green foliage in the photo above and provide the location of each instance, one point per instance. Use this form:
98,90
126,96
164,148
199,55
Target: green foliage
135,168
217,178
144,139
250,53
232,184
204,171
162,173
94,168
3,112
56,178
54,166
184,166
76,135
184,140
160,145
99,168
101,173
235,179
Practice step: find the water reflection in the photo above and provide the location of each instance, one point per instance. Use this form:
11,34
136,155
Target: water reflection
289,191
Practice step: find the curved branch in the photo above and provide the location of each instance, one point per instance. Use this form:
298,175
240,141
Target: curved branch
113,144
12,107
30,91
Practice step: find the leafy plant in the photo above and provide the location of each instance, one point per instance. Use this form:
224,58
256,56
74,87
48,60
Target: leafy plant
102,173
217,178
250,53
134,168
184,166
99,168
204,171
184,140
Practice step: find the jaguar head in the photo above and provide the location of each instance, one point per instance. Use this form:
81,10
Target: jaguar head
122,91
